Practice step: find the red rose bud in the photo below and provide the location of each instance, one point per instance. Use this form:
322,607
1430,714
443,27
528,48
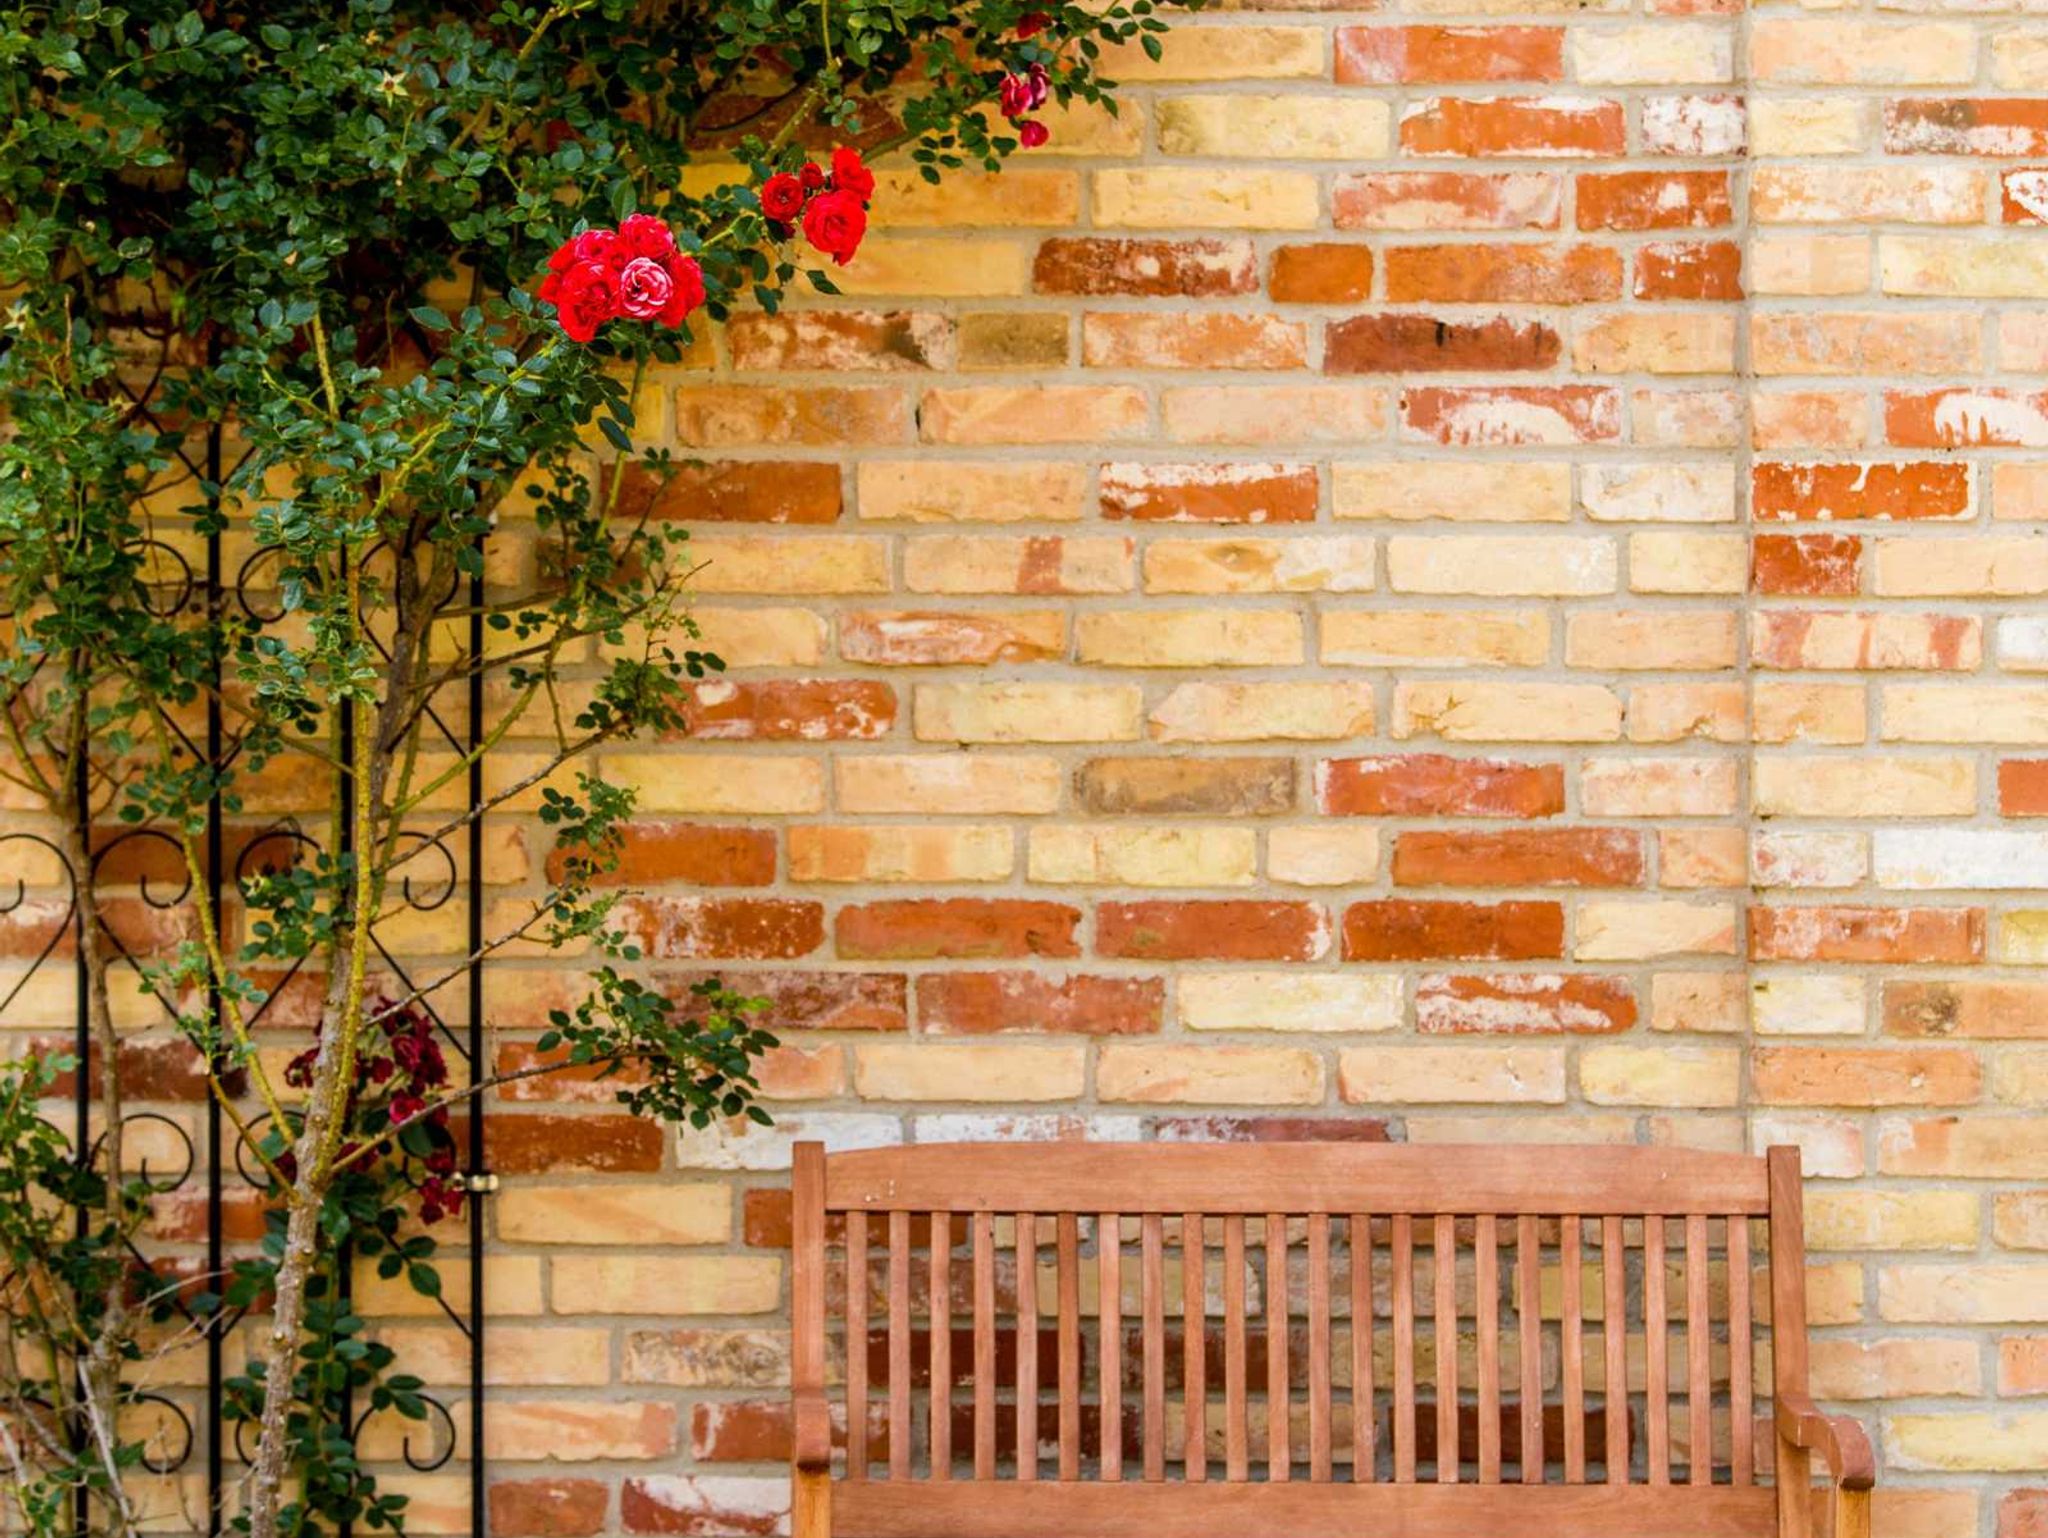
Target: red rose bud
1014,96
835,223
1031,133
782,198
812,175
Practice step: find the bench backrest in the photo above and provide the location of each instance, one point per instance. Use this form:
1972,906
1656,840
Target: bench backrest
1008,1315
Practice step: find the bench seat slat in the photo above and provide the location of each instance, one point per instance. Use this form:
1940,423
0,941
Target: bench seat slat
1181,1177
1087,1510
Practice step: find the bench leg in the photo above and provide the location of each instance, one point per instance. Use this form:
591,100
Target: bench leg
1852,1513
1795,1493
810,1506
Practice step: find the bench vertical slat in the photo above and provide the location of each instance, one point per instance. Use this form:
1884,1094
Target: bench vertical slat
1027,1345
1404,1348
984,1345
1486,1309
1279,1390
1614,1342
1573,1344
1319,1348
1364,1442
939,1408
1741,1393
1656,1352
856,1345
1109,1331
1788,1333
899,1345
1153,1332
1069,1243
1194,1347
810,1474
1529,1330
1444,1328
1699,1383
1235,1438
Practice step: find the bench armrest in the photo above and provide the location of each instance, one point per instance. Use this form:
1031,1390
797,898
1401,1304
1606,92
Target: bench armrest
811,1442
1837,1438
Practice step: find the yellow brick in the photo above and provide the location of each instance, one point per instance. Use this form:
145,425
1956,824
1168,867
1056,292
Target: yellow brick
1988,567
1909,194
1023,712
1988,1441
1651,638
1490,712
579,1431
1815,265
761,638
669,1213
1970,713
1299,564
1416,489
1864,342
647,1284
1453,638
940,266
1032,414
1289,1001
1622,1074
1322,856
1170,1075
1501,566
1657,53
1206,198
1462,1075
1788,712
941,783
1225,712
1124,856
1976,1292
696,781
1644,930
2014,267
1891,1369
783,564
1864,787
984,1072
2019,60
1676,342
1891,1220
1797,126
1152,638
1015,196
956,491
1275,127
972,564
1221,53
1278,414
926,852
2019,490
1687,563
1837,51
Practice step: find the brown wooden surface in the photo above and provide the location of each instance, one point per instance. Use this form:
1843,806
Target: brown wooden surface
1404,1348
1333,1177
1573,1334
1068,1246
1193,1334
1529,1325
1364,1419
899,1345
1319,1346
1153,1254
1258,1510
1443,1259
856,1347
1741,1393
1614,1344
1279,1398
1699,1358
1027,1345
1788,1334
1656,1354
1486,1291
1236,1438
984,1345
940,1405
1109,1288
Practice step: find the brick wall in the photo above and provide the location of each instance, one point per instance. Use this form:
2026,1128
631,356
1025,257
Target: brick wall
1245,626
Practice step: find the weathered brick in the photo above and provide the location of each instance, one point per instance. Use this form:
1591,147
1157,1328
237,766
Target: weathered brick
1447,200
987,1003
1238,1000
1396,929
1438,785
1193,269
983,1072
931,638
1518,273
734,491
964,491
947,782
1209,493
1653,200
1198,340
1521,1004
1294,564
1211,931
1322,273
1279,127
961,928
1584,857
1404,55
1894,935
1400,343
1222,787
1688,269
1177,1075
1234,712
1513,125
1807,565
1446,1075
1413,489
906,852
1864,1076
1507,415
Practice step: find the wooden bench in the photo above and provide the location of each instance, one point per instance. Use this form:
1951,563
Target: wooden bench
1062,1274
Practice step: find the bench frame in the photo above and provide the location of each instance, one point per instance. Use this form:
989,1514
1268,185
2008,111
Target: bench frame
1318,1179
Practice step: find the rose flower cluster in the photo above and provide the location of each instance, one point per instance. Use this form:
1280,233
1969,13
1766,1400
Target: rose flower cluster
831,206
634,272
1020,95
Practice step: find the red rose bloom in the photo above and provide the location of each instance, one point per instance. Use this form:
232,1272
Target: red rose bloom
586,298
644,288
812,175
599,246
645,235
850,173
835,223
1031,133
686,289
782,198
1032,22
1014,96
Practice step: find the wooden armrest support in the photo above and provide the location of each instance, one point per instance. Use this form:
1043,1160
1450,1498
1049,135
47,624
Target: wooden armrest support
1837,1438
811,1447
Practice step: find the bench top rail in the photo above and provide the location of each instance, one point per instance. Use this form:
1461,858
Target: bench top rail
1297,1178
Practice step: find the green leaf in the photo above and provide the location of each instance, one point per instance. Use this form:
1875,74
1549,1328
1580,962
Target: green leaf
429,317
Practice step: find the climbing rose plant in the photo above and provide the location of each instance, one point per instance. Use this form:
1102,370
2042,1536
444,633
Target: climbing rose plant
351,288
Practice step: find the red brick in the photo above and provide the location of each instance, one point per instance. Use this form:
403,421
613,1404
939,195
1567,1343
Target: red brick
694,1508
931,638
811,1001
537,1144
2021,196
1895,935
1806,565
1965,418
1864,1076
1517,273
548,1508
1401,343
1838,492
1189,269
1399,55
1325,273
1514,125
738,928
2023,787
988,1003
1689,269
1228,1128
1513,1004
698,854
1439,785
2023,1514
1209,493
165,1069
1592,857
790,710
1504,415
1227,930
1954,125
1953,1009
1654,200
568,1084
734,491
1399,929
1447,200
759,1430
1190,339
956,928
840,339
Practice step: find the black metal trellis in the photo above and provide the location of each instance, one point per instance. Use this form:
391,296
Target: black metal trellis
274,846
